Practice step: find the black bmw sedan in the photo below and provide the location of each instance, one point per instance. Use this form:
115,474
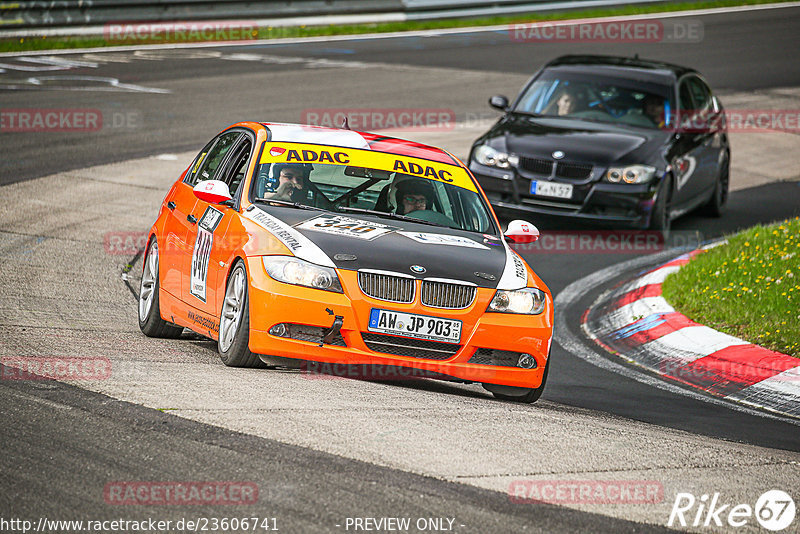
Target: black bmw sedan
613,140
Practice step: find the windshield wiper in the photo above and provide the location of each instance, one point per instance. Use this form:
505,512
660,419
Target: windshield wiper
290,203
388,215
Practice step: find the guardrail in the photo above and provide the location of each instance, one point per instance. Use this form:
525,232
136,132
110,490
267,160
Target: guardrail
70,13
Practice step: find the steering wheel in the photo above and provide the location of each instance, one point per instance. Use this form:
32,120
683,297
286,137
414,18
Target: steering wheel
432,216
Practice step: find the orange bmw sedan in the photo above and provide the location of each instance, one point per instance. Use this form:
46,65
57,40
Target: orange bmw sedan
292,243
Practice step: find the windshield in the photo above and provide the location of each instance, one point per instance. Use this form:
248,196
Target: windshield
598,98
373,190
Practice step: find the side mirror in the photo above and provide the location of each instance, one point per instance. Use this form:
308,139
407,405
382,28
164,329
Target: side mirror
212,191
499,102
521,232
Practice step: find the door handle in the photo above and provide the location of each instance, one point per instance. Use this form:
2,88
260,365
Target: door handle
191,218
171,205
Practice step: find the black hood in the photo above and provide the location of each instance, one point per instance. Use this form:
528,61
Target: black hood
584,141
393,251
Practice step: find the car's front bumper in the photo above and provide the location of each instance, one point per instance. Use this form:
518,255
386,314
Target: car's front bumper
599,202
274,303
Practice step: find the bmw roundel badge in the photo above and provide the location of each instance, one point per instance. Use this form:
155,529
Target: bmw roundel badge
418,269
558,154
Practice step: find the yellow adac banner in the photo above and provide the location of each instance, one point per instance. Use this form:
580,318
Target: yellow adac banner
333,155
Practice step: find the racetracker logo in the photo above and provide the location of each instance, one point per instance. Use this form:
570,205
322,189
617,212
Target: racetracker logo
406,119
774,510
180,493
379,372
180,32
50,120
609,31
586,491
609,242
55,368
736,121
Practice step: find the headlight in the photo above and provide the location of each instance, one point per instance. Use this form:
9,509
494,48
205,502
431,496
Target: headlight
486,155
529,301
632,174
295,271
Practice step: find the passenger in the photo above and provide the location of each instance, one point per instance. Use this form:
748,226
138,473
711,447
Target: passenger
567,103
413,195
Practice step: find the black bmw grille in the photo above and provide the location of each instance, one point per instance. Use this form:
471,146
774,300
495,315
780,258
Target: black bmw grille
575,171
414,348
537,165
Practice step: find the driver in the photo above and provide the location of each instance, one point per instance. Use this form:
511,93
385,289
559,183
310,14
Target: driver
653,109
413,195
292,178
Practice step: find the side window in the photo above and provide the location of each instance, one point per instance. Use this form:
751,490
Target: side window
237,166
685,104
700,94
201,157
208,166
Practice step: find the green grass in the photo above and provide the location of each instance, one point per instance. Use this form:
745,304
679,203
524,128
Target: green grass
749,288
52,43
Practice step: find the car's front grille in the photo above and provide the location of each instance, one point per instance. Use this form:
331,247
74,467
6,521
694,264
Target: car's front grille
447,295
414,348
387,287
574,171
537,165
502,358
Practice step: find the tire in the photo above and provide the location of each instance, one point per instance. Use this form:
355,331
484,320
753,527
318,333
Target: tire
716,204
150,321
521,395
234,322
660,220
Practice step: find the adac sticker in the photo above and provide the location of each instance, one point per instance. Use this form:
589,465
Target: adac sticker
442,239
431,170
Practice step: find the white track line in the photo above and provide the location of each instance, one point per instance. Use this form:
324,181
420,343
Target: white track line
416,33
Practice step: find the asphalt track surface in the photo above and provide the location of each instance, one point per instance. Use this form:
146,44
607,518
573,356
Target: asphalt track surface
53,455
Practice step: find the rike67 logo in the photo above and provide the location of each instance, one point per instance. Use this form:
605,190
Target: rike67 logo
774,510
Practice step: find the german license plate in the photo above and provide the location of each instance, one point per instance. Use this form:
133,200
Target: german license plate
413,325
551,189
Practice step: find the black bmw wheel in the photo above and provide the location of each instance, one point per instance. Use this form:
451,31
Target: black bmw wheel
716,205
660,218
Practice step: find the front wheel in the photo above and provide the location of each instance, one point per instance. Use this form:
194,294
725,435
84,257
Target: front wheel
234,323
660,218
150,321
516,394
716,204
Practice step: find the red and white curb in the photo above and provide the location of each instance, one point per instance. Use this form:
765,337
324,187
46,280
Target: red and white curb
635,322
